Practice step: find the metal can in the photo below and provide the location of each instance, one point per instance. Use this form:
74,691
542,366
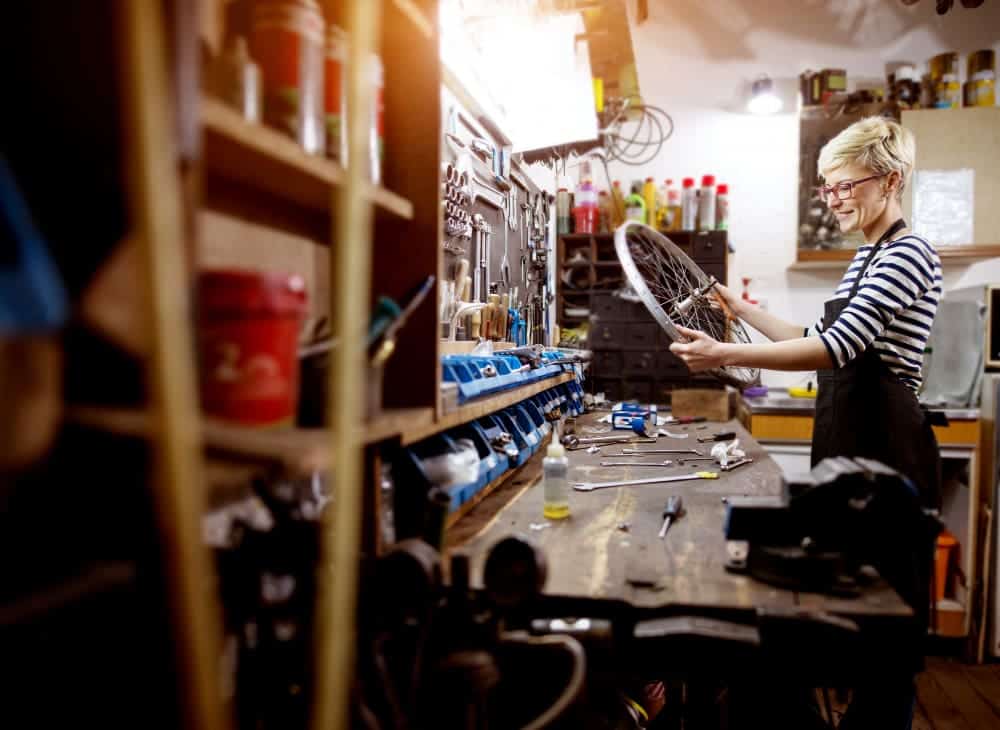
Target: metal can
287,42
335,95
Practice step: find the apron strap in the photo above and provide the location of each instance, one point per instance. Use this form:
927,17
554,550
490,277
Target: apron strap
890,232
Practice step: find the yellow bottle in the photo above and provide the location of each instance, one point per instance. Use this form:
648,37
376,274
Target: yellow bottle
649,197
555,485
617,204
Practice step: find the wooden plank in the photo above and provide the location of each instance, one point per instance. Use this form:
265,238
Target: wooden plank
264,158
977,712
300,450
768,427
483,406
985,680
937,706
412,12
157,214
590,557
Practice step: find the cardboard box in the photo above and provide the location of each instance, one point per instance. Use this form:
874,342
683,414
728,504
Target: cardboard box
710,403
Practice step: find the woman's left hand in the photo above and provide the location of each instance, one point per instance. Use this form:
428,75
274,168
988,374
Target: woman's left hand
701,352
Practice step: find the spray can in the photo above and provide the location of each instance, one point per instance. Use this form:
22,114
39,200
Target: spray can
722,207
689,205
706,204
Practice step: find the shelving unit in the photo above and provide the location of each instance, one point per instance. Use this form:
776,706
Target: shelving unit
263,158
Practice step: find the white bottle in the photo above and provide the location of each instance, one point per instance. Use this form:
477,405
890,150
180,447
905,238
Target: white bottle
555,485
689,205
706,204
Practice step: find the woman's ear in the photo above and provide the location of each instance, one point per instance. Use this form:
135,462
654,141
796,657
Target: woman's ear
892,183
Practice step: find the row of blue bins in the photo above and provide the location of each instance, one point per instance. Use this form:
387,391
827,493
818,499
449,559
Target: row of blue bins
467,372
528,424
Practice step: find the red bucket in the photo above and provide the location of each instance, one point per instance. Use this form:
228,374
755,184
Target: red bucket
248,337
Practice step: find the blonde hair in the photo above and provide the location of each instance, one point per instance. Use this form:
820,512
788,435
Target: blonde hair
880,144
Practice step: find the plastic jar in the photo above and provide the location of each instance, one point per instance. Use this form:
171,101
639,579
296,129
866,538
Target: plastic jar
248,335
287,42
335,94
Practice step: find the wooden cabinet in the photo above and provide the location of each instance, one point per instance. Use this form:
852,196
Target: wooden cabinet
631,359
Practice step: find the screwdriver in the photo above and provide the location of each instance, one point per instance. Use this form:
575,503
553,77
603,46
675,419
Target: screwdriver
671,511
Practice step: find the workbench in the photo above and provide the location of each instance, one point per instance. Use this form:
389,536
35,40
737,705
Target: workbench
606,559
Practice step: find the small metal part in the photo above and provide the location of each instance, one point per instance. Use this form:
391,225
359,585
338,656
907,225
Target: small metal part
733,465
722,436
668,434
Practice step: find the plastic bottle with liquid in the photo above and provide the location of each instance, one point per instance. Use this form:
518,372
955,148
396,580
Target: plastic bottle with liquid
617,204
722,207
635,204
555,485
671,206
649,198
605,214
564,222
689,205
585,212
706,204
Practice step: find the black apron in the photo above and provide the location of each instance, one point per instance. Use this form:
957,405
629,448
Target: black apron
864,410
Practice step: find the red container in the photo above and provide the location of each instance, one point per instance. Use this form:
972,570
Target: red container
585,219
248,337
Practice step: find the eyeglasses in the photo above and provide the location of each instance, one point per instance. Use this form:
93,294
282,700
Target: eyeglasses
845,189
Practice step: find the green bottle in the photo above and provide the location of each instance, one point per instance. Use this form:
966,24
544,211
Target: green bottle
635,206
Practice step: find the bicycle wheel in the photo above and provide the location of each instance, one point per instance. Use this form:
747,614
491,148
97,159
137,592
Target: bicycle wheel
677,292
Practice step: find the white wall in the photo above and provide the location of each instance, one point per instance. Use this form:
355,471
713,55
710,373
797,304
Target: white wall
694,58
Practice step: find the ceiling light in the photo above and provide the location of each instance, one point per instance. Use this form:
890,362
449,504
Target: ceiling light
763,100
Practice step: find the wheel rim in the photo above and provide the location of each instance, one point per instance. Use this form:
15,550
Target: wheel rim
676,291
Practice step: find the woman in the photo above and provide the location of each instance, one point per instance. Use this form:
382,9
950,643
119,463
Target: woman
867,347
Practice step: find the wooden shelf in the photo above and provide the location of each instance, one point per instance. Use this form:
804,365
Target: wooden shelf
255,155
483,406
948,254
298,449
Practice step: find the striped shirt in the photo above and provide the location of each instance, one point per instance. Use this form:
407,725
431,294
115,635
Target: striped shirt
892,311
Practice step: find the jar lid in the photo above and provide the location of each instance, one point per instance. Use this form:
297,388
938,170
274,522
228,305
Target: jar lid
243,291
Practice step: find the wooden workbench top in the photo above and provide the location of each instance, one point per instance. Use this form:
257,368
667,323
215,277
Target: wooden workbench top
608,548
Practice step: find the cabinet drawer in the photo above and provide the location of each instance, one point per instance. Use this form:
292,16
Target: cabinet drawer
669,365
606,335
611,387
640,362
604,306
709,246
716,269
608,363
638,389
641,335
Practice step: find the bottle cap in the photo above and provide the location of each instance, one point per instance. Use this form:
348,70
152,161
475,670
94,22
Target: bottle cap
669,181
617,183
688,182
708,181
603,192
723,189
563,190
649,179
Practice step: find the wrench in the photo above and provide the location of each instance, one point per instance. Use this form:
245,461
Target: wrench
634,452
591,486
668,462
